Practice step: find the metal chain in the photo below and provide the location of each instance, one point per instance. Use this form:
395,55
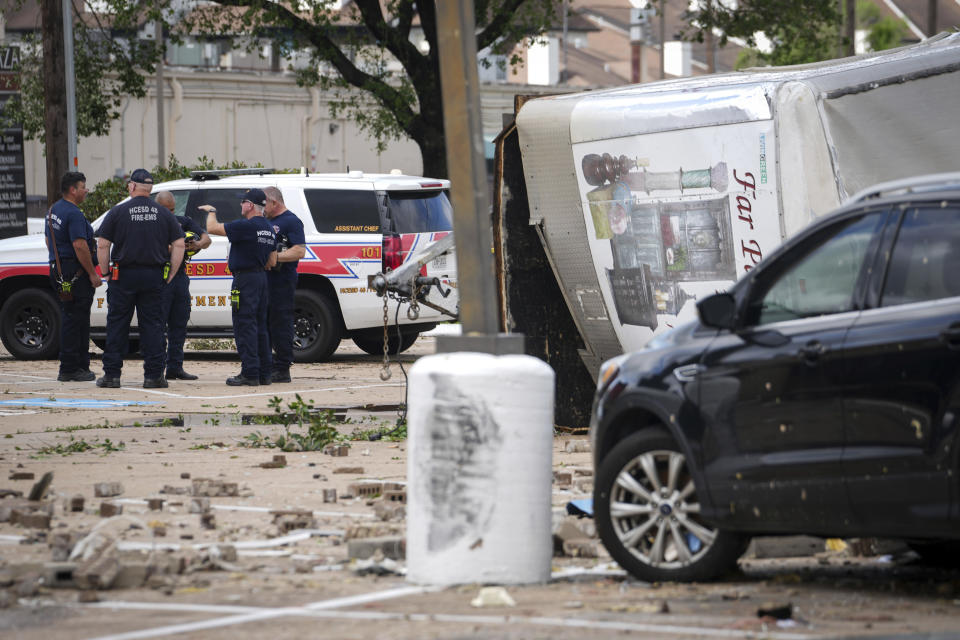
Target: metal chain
385,372
413,311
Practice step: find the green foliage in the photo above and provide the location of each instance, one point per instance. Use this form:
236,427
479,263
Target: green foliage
318,433
109,69
211,344
80,446
388,432
883,32
800,31
111,191
365,56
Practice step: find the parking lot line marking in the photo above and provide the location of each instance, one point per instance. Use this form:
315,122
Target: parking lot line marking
257,614
272,393
323,609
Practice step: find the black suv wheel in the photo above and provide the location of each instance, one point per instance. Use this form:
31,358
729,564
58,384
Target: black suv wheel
374,345
647,514
30,325
316,327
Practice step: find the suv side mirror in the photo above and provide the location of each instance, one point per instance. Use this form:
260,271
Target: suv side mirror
717,311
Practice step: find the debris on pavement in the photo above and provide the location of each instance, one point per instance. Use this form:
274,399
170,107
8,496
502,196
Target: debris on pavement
493,597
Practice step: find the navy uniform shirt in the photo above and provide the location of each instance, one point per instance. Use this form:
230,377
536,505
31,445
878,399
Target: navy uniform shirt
251,243
187,224
69,224
289,227
141,232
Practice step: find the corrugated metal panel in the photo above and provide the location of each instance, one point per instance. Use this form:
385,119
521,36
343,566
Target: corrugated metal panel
554,201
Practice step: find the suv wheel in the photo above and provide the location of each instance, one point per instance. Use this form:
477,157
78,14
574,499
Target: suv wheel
395,345
133,345
648,514
30,325
316,330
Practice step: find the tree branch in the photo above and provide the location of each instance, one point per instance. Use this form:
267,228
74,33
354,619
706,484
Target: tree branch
501,18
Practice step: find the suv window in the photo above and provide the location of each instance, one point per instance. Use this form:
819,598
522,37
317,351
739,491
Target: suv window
344,210
419,211
925,264
180,198
225,201
824,278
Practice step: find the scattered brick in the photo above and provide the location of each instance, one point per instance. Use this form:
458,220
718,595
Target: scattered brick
107,489
337,450
155,504
175,491
563,478
365,489
582,548
214,488
329,495
110,509
31,519
185,475
393,547
99,570
278,462
387,511
294,519
40,489
356,470
583,472
395,496
76,503
207,520
577,446
21,475
199,505
86,597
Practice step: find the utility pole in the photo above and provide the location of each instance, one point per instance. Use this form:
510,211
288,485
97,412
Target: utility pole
161,135
931,18
851,24
663,39
472,224
55,94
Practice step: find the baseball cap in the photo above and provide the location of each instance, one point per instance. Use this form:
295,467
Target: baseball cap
256,196
141,176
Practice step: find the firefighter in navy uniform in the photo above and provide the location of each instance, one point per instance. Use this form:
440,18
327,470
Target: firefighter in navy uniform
282,281
145,242
77,276
176,294
252,252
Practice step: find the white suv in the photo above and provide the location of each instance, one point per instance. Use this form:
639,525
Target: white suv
356,225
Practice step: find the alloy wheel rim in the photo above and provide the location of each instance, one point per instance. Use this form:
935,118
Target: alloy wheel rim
32,327
655,512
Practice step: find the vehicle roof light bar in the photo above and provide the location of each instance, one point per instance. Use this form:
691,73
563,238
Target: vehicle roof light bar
216,174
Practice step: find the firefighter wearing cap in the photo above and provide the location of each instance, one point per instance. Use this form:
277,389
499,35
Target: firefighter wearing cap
253,247
139,237
176,294
282,281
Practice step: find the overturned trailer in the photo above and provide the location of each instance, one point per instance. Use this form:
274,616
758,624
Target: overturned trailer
617,209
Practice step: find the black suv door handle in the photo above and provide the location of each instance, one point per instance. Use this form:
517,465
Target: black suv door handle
951,336
812,351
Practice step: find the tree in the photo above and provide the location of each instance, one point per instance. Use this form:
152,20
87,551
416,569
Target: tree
109,63
799,31
364,54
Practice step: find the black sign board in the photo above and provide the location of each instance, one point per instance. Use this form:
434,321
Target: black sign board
633,296
13,183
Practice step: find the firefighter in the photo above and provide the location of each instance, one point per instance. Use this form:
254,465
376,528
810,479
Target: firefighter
73,273
252,252
145,242
282,281
176,294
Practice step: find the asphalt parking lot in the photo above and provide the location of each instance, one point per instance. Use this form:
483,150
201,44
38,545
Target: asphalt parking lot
277,556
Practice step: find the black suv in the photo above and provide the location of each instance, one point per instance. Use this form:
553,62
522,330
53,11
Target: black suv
820,395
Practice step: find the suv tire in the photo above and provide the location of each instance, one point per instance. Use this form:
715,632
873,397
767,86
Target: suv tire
644,535
316,327
133,345
30,325
395,345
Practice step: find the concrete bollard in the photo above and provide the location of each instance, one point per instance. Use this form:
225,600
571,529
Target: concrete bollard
479,469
